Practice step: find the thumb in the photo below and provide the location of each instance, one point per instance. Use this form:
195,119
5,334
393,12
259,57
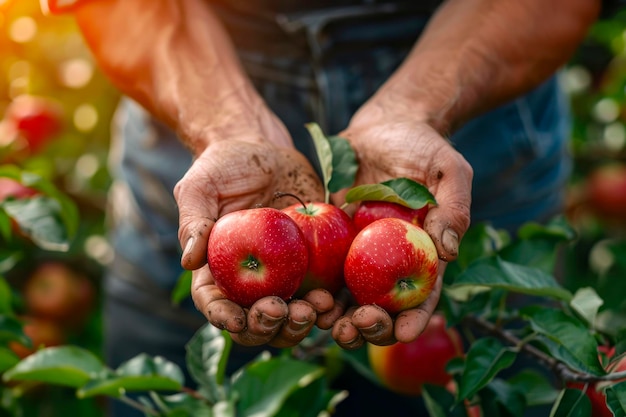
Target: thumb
197,215
447,222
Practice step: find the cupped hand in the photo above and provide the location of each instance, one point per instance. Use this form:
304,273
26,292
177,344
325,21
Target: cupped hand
234,175
390,145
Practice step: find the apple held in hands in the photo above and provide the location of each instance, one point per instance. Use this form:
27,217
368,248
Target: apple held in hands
391,263
256,253
369,211
406,367
328,231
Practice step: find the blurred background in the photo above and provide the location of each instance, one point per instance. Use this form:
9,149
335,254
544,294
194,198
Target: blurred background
55,113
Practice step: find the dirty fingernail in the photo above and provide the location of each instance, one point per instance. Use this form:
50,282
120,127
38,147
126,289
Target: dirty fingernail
268,321
188,246
450,241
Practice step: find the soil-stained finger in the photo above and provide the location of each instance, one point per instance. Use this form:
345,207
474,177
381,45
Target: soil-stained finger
375,324
321,300
298,325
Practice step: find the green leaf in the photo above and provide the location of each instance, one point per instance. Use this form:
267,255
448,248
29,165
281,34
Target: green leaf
70,366
312,400
181,405
616,399
141,373
495,272
6,298
484,360
207,356
557,229
344,166
264,386
439,402
324,155
8,259
40,219
587,303
182,289
571,403
535,386
68,212
5,225
8,358
571,340
403,191
507,396
12,329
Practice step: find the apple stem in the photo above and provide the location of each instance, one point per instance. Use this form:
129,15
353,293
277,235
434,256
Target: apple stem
280,194
251,263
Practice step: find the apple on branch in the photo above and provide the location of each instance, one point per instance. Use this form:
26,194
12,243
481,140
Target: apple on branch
328,231
391,263
257,252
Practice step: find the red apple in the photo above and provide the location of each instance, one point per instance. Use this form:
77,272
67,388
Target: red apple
10,188
58,292
42,332
36,119
391,263
406,367
255,253
328,232
606,188
368,211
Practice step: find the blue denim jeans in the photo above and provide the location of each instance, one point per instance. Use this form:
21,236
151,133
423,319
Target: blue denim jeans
518,152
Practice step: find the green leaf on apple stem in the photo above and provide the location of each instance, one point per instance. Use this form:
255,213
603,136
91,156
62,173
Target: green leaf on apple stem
345,164
70,366
141,373
616,399
403,191
324,155
495,272
484,360
265,385
587,303
207,356
567,338
571,403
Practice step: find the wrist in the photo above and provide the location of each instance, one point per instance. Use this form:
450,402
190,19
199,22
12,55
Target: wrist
241,115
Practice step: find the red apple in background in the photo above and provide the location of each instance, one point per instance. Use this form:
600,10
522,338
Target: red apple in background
368,211
255,253
37,119
596,391
42,332
391,263
606,190
56,291
14,189
328,231
406,367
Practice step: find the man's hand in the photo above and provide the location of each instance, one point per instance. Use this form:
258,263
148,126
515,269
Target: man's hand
387,146
233,175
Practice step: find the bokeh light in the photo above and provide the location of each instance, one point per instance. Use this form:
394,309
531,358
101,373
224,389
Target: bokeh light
23,29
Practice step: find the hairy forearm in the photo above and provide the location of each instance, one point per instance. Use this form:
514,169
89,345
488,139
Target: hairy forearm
174,57
477,54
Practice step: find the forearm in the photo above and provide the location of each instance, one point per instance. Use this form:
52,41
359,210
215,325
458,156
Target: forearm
477,54
175,59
